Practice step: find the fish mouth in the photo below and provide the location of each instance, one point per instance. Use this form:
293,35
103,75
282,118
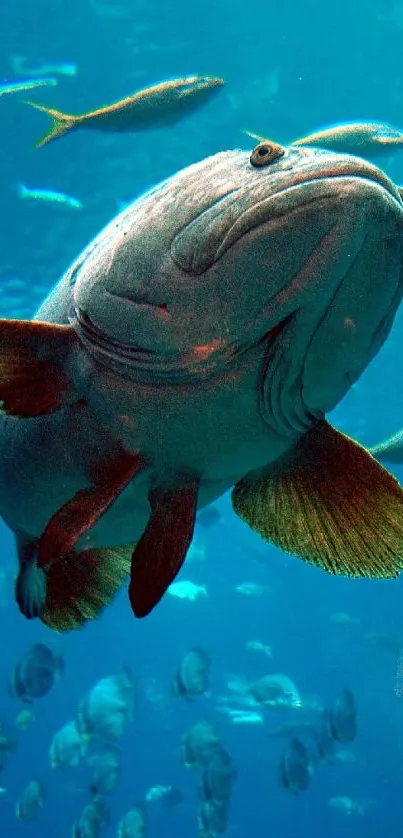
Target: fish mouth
148,366
299,178
141,363
352,167
304,179
330,340
153,348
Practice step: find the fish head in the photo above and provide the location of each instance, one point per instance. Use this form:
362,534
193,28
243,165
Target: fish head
295,250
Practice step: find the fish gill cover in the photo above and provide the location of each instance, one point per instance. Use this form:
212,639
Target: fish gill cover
261,696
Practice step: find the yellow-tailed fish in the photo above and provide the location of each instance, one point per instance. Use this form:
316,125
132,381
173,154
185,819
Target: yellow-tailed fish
153,107
366,139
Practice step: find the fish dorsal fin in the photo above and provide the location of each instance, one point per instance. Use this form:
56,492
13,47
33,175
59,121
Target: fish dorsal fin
33,376
162,549
332,505
258,137
390,450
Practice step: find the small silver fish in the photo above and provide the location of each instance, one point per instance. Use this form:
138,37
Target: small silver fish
47,196
62,68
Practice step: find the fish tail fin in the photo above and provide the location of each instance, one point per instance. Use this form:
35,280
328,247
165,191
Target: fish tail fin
81,584
62,123
21,190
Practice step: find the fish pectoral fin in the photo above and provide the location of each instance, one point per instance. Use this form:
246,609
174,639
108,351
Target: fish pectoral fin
33,377
162,549
332,505
82,584
79,514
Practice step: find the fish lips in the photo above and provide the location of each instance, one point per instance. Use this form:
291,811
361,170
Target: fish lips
353,284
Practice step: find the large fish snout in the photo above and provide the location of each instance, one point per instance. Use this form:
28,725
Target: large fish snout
225,253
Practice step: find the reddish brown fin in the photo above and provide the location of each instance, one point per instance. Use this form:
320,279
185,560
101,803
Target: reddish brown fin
82,584
32,378
162,549
332,504
81,512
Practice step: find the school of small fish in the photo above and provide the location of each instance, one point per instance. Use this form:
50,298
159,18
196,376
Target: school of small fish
314,734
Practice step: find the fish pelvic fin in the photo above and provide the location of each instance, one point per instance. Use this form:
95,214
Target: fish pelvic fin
62,123
82,584
332,505
33,377
30,586
162,549
80,513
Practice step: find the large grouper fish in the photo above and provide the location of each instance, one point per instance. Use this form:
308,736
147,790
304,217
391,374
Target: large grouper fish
196,346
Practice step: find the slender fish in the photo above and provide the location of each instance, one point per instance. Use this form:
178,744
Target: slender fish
154,107
28,84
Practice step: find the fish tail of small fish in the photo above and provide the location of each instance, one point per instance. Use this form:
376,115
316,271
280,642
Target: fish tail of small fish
21,190
62,123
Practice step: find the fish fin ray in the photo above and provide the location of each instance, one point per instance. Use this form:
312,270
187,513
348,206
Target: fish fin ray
162,549
33,381
82,584
334,506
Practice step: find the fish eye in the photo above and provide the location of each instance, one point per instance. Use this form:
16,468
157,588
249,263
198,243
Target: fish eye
266,153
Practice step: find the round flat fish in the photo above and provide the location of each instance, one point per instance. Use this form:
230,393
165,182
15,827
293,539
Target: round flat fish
296,767
342,718
193,347
35,674
192,676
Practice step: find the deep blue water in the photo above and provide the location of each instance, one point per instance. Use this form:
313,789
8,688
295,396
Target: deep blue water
290,68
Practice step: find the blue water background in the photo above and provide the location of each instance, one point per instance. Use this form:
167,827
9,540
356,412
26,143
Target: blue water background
334,62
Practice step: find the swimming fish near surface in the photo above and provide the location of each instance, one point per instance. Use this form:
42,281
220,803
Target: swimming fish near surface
196,345
154,107
366,139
